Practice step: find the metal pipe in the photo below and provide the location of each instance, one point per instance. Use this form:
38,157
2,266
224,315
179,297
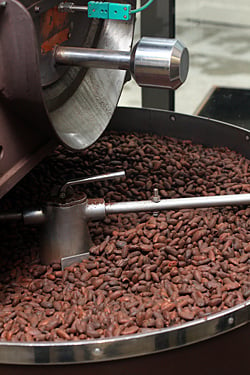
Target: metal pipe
11,216
92,58
177,204
31,217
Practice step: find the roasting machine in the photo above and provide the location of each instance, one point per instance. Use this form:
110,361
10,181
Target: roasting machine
61,74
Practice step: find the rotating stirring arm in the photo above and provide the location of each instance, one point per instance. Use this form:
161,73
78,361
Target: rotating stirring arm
92,211
97,209
65,222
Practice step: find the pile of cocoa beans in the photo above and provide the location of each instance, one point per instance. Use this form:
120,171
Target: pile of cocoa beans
145,272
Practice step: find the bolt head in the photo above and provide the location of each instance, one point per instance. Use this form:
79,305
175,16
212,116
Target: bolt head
97,352
3,4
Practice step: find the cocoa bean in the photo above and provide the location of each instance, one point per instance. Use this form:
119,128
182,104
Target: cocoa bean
143,272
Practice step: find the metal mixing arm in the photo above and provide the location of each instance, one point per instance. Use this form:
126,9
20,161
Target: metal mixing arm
178,203
98,209
65,223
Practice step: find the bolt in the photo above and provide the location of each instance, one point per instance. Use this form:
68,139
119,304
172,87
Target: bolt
156,196
62,195
97,352
247,138
37,9
231,320
3,5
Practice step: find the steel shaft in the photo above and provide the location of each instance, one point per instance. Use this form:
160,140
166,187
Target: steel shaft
154,62
33,217
177,204
11,216
92,58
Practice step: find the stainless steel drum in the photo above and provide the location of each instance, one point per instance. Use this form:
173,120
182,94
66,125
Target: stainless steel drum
217,344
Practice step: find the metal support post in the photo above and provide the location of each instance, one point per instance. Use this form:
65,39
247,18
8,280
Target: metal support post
158,21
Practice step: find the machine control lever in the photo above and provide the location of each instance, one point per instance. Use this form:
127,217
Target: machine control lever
153,62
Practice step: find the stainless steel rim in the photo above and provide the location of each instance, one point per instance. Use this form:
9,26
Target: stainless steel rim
49,353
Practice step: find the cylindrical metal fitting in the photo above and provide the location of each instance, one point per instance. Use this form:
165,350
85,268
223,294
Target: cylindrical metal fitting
159,62
154,62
